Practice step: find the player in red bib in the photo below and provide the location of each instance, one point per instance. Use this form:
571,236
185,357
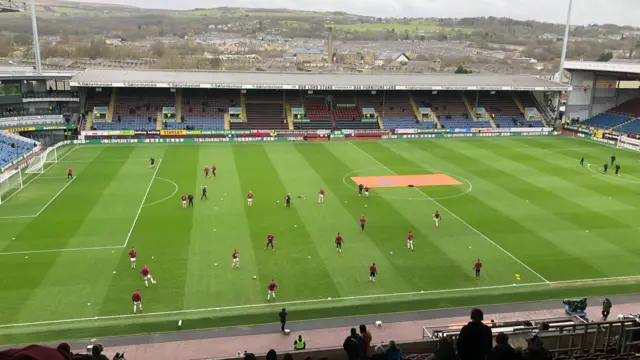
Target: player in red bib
270,241
184,201
206,172
272,290
477,267
372,272
213,170
249,198
147,276
236,259
363,222
69,173
339,242
321,196
137,301
410,241
436,219
132,257
366,191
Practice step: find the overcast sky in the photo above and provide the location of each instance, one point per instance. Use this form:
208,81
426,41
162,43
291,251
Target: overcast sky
622,12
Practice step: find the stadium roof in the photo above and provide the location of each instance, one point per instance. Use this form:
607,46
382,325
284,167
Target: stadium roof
611,67
12,6
310,81
28,73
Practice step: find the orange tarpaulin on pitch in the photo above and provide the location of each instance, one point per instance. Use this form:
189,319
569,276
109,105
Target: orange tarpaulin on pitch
405,180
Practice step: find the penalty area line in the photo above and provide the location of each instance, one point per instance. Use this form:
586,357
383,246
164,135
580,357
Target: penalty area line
457,217
56,196
144,199
59,250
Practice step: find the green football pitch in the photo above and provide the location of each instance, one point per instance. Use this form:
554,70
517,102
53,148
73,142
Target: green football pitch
543,226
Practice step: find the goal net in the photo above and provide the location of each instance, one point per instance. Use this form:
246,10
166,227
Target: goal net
10,183
39,162
628,143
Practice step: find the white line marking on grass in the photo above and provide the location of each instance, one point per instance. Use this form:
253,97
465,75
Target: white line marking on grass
60,250
17,217
37,176
135,220
295,302
105,160
457,217
168,197
56,196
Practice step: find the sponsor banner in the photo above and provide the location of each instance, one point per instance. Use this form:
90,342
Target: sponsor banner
312,86
610,142
630,140
301,121
191,140
296,111
579,129
609,136
173,132
528,129
368,120
40,128
456,135
22,129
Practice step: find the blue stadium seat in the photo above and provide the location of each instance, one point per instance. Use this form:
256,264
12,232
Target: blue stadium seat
8,152
606,121
632,127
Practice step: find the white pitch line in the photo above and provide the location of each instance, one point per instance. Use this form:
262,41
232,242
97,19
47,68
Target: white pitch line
17,217
457,217
56,196
37,176
105,160
135,220
310,301
60,250
168,197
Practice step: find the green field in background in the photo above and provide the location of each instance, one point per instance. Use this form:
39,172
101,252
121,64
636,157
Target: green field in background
524,207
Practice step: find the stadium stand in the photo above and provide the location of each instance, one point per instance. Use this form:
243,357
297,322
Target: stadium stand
632,127
606,121
629,108
136,111
13,146
406,123
205,109
264,110
450,109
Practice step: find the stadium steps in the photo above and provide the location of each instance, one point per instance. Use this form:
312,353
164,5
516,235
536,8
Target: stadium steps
112,104
380,122
89,123
243,105
468,106
179,105
159,121
517,101
414,107
289,116
493,124
227,121
435,120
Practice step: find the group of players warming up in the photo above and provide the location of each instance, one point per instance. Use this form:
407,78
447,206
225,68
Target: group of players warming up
605,167
146,276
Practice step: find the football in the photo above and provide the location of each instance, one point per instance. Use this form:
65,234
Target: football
254,277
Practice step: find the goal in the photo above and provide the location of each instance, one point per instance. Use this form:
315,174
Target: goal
38,162
628,143
10,183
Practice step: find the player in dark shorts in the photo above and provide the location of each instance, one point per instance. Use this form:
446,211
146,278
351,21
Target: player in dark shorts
373,270
270,240
617,169
363,222
360,187
613,159
213,170
287,200
152,162
190,197
204,193
606,166
477,267
339,241
582,161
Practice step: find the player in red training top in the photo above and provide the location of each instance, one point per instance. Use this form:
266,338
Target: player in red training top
272,290
137,301
436,219
69,173
213,170
206,172
363,222
339,242
249,198
132,257
236,259
410,240
270,241
477,267
321,196
146,275
366,191
372,272
184,201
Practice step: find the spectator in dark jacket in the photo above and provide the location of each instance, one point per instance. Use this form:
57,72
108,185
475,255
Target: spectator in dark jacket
365,345
393,352
352,345
445,350
475,339
535,350
272,355
502,350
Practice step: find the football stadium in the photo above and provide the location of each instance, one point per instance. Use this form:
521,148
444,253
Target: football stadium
396,201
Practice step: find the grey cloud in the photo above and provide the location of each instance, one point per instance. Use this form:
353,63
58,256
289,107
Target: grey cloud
621,12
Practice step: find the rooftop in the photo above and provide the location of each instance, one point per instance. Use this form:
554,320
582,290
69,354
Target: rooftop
311,81
623,67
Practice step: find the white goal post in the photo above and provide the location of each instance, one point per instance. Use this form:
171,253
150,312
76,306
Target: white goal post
38,162
10,183
628,143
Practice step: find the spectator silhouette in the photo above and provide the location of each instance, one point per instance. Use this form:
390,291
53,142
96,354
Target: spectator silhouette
535,350
365,345
272,355
475,339
445,350
352,345
378,353
393,352
502,350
